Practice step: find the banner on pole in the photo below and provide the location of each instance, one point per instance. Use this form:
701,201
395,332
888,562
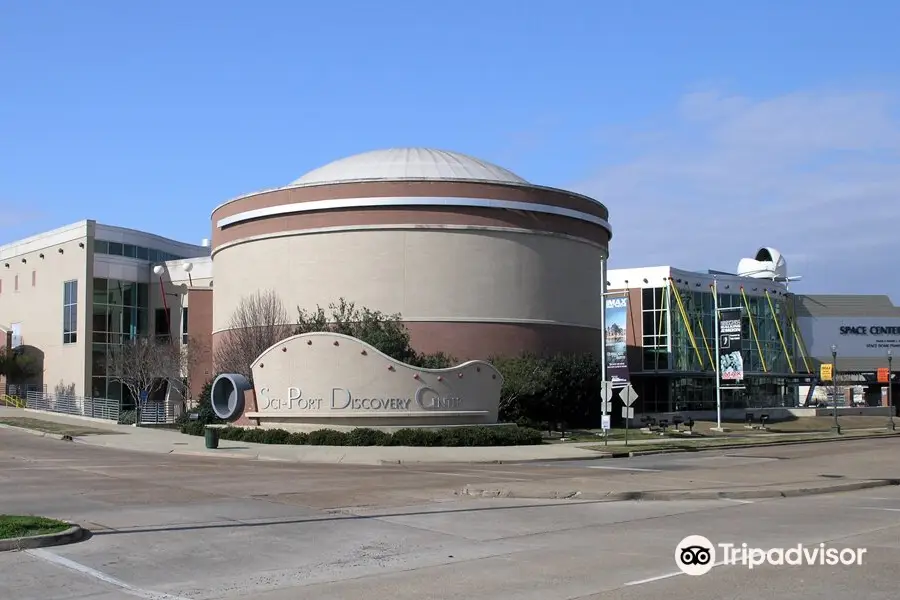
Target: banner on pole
731,351
617,339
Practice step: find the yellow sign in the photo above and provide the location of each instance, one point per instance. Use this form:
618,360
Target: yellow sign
826,371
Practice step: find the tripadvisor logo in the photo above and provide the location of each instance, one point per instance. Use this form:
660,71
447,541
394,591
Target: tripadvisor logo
696,555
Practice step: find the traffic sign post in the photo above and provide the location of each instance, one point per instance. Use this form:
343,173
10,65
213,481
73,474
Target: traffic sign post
628,397
606,394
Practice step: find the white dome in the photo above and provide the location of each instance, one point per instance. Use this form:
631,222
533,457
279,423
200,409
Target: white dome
767,264
409,163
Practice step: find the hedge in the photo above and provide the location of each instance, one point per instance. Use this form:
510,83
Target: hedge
503,435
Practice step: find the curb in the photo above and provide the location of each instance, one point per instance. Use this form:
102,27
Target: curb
69,536
746,494
53,436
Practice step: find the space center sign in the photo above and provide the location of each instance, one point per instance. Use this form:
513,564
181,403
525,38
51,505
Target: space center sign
858,337
326,375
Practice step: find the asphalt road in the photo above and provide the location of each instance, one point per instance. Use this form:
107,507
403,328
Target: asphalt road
173,527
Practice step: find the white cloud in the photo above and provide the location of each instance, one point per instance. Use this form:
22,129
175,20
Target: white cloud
816,175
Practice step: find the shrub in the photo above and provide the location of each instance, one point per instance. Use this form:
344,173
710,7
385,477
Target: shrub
416,437
298,438
327,437
363,436
503,435
543,391
127,417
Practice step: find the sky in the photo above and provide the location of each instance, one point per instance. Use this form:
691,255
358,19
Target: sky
708,128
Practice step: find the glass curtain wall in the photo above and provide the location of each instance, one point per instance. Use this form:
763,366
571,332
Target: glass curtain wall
765,387
119,314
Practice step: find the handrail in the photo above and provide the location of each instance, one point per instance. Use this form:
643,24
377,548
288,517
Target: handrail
762,358
687,322
780,336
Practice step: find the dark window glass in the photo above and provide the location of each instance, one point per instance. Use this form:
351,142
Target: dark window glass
129,251
142,253
115,248
101,247
70,312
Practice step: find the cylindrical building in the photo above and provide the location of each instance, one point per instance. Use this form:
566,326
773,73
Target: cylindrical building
478,261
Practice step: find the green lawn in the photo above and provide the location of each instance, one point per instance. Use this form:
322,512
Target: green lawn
53,427
16,526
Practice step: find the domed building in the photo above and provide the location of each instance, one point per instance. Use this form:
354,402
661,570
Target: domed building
477,260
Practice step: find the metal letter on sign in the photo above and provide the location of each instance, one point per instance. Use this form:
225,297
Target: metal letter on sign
628,395
627,412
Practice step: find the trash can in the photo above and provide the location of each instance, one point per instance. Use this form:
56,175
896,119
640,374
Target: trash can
212,437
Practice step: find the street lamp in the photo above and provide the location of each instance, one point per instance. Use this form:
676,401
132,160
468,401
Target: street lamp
837,427
890,399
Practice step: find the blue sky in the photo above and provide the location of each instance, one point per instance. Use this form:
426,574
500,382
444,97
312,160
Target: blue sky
708,128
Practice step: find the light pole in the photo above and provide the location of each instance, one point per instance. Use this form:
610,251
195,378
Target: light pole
890,357
837,427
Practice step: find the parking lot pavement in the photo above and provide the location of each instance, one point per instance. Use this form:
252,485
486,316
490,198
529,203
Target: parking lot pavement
168,528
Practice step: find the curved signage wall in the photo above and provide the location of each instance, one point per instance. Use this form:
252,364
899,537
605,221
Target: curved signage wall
326,379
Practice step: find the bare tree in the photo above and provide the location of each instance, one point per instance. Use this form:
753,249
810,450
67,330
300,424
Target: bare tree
145,366
259,322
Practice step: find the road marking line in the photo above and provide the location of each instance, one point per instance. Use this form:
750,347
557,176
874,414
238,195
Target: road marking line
85,570
626,469
878,508
738,501
661,577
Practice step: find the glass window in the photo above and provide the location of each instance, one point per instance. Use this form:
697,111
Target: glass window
129,251
99,290
143,295
114,293
184,325
153,255
142,328
99,322
115,248
161,322
101,247
129,293
70,312
142,253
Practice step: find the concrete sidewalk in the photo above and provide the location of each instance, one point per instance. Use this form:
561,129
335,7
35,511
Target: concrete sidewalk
167,441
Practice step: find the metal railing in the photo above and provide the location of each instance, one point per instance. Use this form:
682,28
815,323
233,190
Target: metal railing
97,408
157,413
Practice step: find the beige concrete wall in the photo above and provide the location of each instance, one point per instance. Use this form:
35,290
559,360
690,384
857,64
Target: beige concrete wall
38,302
325,377
424,274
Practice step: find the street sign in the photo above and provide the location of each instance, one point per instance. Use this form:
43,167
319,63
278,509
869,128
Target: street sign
627,412
606,391
826,371
605,424
628,395
606,407
883,376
